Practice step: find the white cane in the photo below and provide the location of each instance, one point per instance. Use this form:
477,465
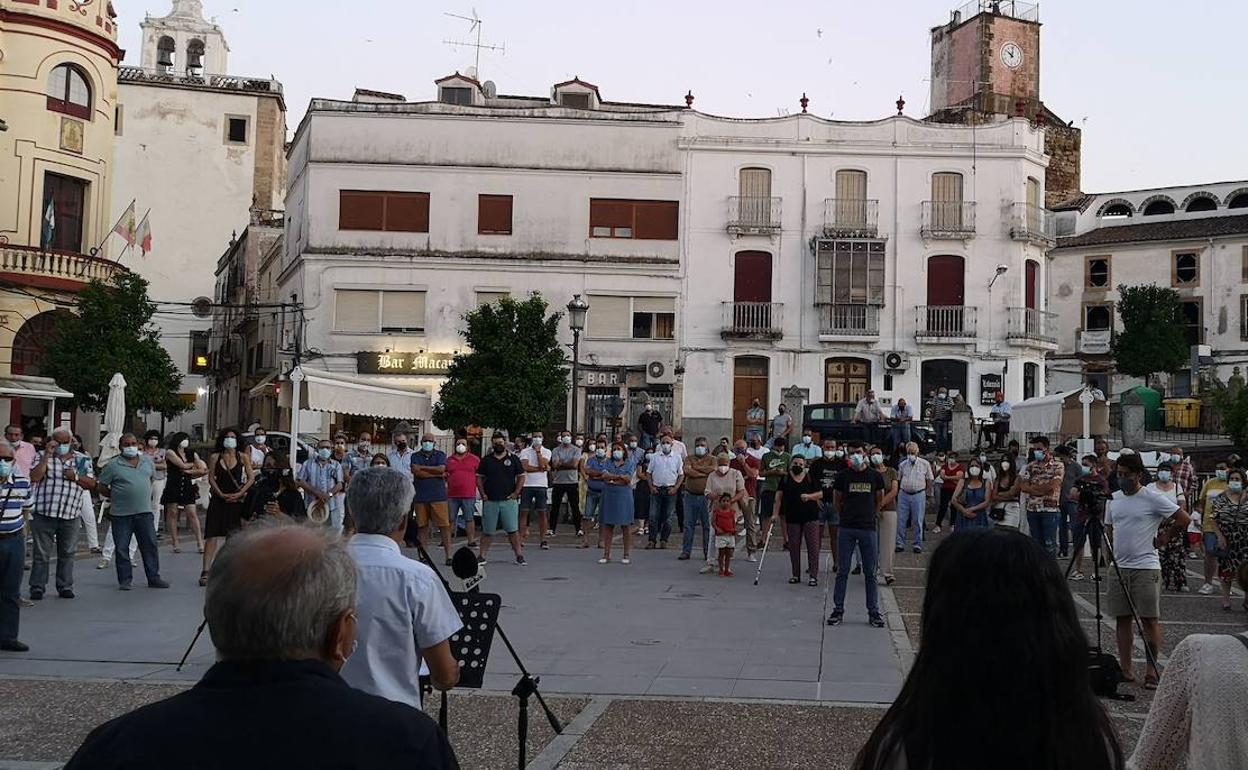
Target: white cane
763,558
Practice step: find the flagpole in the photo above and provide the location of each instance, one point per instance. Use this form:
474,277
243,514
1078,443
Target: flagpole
137,228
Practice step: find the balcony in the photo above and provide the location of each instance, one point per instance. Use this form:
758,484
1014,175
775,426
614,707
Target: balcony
1033,224
849,321
1032,328
945,219
753,320
753,214
851,217
1094,342
61,270
946,323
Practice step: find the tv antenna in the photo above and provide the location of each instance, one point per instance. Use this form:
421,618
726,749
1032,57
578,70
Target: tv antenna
474,25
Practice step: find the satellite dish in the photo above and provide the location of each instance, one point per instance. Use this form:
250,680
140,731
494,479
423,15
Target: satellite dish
489,89
201,307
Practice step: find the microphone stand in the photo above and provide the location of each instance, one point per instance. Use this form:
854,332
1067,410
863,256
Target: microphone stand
524,689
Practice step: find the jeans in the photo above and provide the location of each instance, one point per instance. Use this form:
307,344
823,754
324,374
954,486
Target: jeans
573,493
143,529
944,511
1070,512
1043,525
901,433
865,541
51,534
647,441
767,503
12,556
662,505
942,434
697,511
461,511
911,506
593,505
810,533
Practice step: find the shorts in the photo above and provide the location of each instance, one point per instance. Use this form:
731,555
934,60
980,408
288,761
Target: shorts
1144,588
1193,539
500,514
533,499
1211,543
828,515
462,505
436,511
725,541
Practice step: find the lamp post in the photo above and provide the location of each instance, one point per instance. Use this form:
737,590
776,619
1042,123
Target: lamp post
577,309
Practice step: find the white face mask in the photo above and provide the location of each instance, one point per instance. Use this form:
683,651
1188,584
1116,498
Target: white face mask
723,470
976,471
260,439
461,448
1005,466
153,442
185,443
829,454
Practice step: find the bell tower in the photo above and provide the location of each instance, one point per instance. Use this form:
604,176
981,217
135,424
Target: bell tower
184,43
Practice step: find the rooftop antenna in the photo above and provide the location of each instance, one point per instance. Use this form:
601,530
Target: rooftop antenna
474,25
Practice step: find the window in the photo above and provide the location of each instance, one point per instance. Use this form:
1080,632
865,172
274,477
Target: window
1116,211
165,50
1098,317
235,129
754,204
1244,265
850,209
386,312
200,362
1096,273
69,91
455,95
118,115
946,201
1193,321
1031,378
641,318
1243,316
643,220
850,272
1185,266
1202,203
494,214
405,212
1159,206
575,101
1238,201
490,297
64,201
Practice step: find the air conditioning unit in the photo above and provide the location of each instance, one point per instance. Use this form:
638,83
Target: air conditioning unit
896,361
661,372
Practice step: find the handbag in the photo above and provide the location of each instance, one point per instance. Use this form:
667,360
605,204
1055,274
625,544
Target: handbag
1011,514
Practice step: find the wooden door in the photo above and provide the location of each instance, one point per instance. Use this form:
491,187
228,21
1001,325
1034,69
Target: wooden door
947,201
749,381
1032,276
752,277
851,198
64,198
755,191
946,293
846,380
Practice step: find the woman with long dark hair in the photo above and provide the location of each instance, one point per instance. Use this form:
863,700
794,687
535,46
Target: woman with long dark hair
275,492
1025,686
181,491
230,478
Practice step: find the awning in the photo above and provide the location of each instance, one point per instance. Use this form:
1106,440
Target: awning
263,387
28,386
1061,413
349,394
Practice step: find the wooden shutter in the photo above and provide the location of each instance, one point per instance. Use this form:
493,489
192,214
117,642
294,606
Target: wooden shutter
851,185
755,183
654,304
402,310
494,214
356,311
361,210
407,212
490,297
657,220
752,277
947,188
945,281
610,214
1032,278
1033,192
609,317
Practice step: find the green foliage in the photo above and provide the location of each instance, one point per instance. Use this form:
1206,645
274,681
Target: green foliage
1234,408
112,332
515,373
1153,337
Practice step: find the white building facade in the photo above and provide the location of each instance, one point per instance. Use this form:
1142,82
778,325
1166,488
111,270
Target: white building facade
1193,239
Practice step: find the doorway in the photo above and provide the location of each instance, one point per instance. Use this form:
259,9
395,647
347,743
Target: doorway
846,380
64,204
946,295
749,381
945,373
751,292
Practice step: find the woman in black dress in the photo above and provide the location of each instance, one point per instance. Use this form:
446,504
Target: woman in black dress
275,492
230,478
183,467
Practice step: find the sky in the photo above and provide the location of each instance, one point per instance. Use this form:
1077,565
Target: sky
1158,87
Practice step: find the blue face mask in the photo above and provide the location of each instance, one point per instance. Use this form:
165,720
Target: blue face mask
130,452
699,450
1221,475
1163,476
6,468
62,449
1037,454
427,446
1235,486
323,453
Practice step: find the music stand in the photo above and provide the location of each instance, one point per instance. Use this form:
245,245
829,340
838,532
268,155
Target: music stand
471,644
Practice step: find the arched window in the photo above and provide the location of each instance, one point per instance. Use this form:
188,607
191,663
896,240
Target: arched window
1160,205
31,341
195,58
1116,209
165,51
69,91
1238,201
1201,202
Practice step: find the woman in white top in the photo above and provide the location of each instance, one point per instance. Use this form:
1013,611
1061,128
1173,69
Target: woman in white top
1198,710
259,447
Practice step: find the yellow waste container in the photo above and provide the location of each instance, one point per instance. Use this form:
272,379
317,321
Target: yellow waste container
1182,413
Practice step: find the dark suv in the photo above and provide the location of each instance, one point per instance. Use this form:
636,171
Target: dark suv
835,421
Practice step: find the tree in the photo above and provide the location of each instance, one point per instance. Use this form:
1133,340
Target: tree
515,373
1153,337
113,332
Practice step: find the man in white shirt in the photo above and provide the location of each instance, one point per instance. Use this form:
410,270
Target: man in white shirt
1000,415
404,613
914,475
868,410
535,459
666,472
1132,517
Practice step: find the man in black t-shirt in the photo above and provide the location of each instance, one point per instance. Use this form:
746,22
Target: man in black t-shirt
500,480
648,425
824,470
859,494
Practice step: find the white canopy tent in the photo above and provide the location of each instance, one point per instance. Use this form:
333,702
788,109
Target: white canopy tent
35,388
1060,413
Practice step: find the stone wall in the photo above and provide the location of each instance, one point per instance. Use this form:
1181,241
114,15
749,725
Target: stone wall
1061,180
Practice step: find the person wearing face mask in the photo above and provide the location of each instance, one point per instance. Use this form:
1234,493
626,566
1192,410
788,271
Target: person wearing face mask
756,449
1184,473
16,499
1042,483
796,508
461,488
942,415
536,461
126,481
183,469
565,477
748,466
259,448
1209,541
1132,517
886,525
1090,477
229,480
698,468
275,492
781,426
592,468
970,500
1230,530
1004,505
23,451
725,480
618,503
429,476
775,465
361,455
755,422
58,479
1174,554
914,482
500,482
949,472
400,455
666,474
648,425
859,496
824,470
807,448
151,447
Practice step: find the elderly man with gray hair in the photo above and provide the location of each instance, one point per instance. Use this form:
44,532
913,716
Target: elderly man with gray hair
405,614
280,608
58,478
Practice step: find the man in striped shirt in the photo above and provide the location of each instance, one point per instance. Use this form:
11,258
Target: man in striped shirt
14,497
58,478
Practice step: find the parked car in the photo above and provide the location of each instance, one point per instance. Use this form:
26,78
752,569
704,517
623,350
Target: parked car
835,421
280,442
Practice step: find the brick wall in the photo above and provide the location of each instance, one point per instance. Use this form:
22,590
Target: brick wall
1061,180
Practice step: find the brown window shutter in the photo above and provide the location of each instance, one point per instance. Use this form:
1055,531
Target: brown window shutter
407,212
657,220
360,210
494,214
608,212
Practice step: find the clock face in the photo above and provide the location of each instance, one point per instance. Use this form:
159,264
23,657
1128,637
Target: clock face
1012,55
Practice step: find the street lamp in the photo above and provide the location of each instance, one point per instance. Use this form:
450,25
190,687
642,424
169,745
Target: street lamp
577,310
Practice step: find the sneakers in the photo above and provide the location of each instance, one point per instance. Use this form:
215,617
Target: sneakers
545,546
12,645
550,533
103,564
626,560
124,587
158,583
917,549
481,559
604,560
1076,576
1205,590
936,531
36,594
751,557
683,557
899,549
707,569
520,560
875,621
836,618
65,593
889,580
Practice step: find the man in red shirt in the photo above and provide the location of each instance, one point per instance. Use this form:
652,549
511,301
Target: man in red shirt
461,488
748,466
